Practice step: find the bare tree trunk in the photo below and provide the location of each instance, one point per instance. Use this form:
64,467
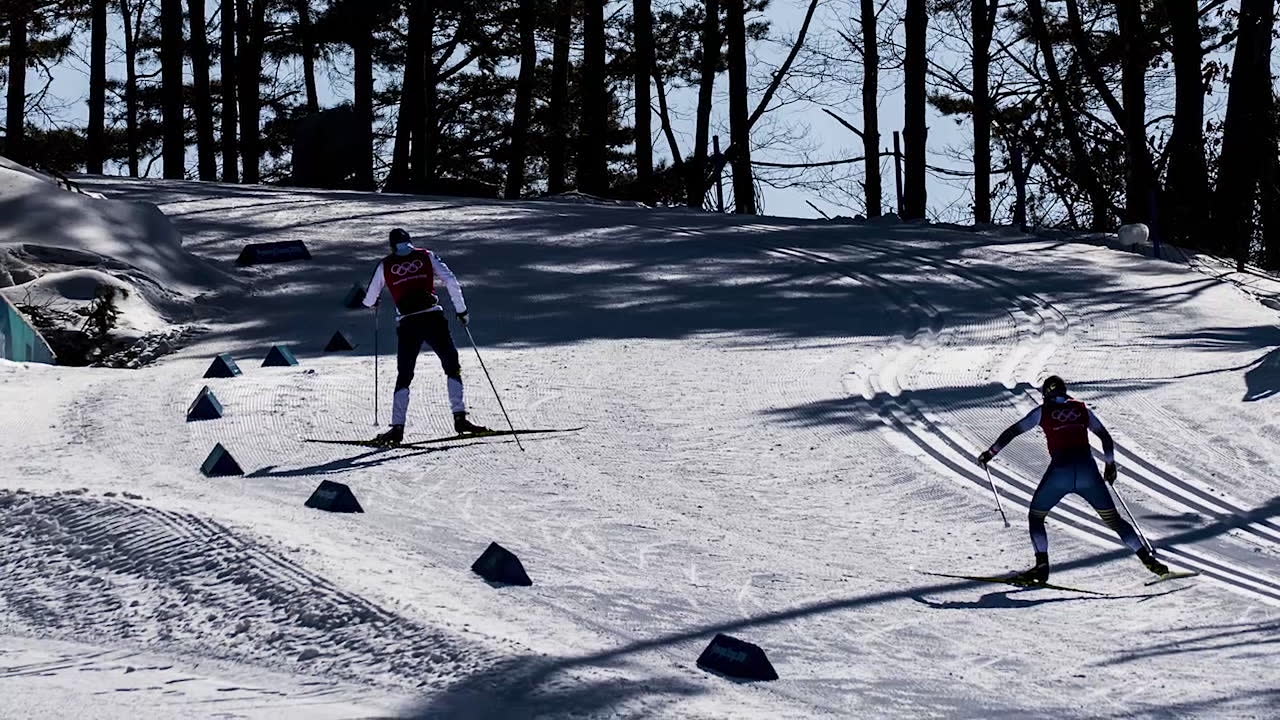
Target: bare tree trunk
202,104
130,86
1083,170
744,190
915,200
15,110
593,166
983,21
410,110
524,100
174,121
1240,163
1139,174
96,142
1019,184
696,170
664,116
644,108
556,150
303,8
871,109
1187,208
230,119
250,30
1271,192
424,137
362,50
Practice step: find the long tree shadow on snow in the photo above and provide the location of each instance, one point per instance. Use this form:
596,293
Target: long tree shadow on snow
542,683
1262,378
1006,600
545,273
1243,635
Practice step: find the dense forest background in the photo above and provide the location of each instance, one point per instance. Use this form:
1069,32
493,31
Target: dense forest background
1083,113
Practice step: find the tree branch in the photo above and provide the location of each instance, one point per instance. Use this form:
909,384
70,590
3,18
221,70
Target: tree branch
844,122
665,117
1090,62
781,74
826,163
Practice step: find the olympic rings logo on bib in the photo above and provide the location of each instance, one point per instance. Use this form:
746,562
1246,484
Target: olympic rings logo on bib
1065,415
406,268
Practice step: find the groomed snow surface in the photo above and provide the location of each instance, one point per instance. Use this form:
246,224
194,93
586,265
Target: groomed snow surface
780,415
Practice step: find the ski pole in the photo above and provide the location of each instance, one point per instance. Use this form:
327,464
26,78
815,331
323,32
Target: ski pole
999,505
1141,535
375,365
495,388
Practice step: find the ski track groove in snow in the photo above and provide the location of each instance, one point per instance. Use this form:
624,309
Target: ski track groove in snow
892,380
117,563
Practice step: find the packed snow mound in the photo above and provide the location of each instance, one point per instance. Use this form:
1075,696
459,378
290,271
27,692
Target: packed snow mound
62,250
34,210
30,175
78,289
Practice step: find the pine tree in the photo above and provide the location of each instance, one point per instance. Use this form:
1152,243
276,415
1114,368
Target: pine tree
175,139
871,108
696,168
129,18
230,84
914,130
96,141
15,110
983,19
744,191
1243,135
558,132
644,63
1188,176
593,170
524,101
201,101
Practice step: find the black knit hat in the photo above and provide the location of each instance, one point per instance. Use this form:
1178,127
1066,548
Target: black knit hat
1053,386
398,235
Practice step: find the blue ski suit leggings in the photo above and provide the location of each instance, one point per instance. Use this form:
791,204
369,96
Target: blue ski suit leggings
1080,476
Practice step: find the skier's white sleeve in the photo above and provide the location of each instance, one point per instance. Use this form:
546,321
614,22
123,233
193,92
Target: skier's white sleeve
1108,445
1026,424
376,284
450,283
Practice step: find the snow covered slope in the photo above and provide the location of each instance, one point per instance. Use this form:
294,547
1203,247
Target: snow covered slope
62,246
781,419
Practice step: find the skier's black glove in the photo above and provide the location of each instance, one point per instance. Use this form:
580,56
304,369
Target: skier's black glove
985,457
1109,472
462,317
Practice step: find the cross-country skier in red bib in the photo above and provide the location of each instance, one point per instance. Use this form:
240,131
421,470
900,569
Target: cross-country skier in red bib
1066,423
409,274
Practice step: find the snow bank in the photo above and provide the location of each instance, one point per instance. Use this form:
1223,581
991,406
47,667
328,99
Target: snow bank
36,213
59,247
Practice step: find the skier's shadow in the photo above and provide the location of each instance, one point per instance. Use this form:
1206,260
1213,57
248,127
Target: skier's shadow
362,461
1004,600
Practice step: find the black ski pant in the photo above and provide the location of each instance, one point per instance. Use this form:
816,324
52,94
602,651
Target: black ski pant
414,331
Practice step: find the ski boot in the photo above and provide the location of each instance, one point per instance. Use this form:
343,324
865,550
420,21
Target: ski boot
1037,575
390,438
463,426
1152,563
